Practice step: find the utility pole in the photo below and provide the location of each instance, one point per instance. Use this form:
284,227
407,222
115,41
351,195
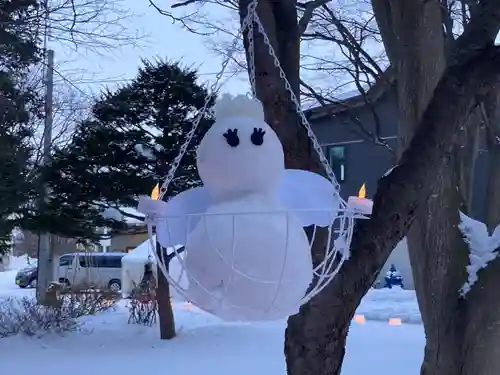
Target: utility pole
45,253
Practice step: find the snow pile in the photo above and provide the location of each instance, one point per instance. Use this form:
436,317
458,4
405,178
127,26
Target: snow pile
384,304
483,248
17,263
133,268
8,287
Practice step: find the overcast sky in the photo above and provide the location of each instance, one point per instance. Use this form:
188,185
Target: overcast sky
92,71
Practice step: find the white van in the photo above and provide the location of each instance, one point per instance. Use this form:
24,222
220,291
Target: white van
100,270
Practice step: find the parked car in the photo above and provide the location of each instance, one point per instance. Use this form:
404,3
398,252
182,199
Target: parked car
27,276
101,270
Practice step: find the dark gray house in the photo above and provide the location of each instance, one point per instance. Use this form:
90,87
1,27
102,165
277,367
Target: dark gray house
358,139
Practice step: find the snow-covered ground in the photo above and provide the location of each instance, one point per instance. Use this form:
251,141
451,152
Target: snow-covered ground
7,279
106,344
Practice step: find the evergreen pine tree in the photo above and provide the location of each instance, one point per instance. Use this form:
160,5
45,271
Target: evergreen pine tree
18,106
123,149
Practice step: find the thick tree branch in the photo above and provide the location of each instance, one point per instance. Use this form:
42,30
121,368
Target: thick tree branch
307,16
480,32
400,193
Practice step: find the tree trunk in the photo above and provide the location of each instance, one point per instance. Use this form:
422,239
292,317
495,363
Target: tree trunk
279,18
165,311
481,347
304,330
315,338
439,258
492,131
438,254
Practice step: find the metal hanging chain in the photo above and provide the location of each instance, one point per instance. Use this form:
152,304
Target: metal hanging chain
212,91
298,108
248,24
252,9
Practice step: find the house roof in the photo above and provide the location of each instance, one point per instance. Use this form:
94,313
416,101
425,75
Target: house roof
372,95
135,228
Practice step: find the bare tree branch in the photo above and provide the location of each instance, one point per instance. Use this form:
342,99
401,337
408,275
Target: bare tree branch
309,9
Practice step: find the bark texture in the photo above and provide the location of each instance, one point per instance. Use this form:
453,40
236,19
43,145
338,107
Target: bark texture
438,255
315,338
165,311
279,18
491,117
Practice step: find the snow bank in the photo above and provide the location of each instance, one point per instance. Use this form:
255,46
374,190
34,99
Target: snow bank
108,345
133,268
17,263
383,304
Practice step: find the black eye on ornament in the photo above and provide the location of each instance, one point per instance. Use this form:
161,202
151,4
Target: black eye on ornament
232,138
257,136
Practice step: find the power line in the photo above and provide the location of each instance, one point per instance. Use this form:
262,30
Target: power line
126,80
75,85
72,84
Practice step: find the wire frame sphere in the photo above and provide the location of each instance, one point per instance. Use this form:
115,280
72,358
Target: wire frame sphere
256,266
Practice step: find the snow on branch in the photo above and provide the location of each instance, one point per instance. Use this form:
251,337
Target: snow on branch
483,248
145,151
114,212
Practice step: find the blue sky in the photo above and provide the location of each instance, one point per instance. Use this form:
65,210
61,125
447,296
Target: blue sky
92,71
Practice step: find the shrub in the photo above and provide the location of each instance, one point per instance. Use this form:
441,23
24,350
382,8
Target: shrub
142,305
26,316
84,301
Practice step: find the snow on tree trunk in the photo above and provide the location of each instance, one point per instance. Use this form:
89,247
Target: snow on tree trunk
483,248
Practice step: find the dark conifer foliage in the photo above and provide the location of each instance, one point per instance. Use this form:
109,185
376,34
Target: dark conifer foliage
19,105
124,148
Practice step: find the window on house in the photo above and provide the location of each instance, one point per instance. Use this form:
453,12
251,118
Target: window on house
337,158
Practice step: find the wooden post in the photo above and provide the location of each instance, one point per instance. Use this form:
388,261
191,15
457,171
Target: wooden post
165,311
45,253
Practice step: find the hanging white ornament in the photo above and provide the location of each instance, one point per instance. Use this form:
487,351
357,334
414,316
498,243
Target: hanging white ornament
247,255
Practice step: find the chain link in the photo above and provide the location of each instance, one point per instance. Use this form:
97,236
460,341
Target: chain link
214,88
248,25
345,230
298,108
252,9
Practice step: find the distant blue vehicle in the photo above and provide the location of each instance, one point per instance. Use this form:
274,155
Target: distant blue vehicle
27,276
393,278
